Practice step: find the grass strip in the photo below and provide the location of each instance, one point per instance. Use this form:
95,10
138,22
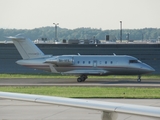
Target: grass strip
89,92
49,75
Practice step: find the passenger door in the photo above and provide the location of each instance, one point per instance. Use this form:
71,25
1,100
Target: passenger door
94,63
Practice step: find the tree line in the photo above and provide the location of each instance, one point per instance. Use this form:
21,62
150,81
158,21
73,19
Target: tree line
82,33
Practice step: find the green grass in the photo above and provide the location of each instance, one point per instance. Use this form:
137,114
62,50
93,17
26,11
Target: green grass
49,75
89,92
38,75
85,92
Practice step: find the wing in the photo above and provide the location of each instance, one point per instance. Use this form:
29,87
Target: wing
109,110
88,72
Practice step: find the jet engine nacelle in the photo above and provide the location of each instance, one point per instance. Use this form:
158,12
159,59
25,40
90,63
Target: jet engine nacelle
60,61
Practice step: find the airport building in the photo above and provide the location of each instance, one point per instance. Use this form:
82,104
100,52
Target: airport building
147,53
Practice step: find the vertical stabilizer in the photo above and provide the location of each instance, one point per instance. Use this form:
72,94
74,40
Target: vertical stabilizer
26,48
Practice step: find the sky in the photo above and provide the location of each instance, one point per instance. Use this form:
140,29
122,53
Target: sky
72,14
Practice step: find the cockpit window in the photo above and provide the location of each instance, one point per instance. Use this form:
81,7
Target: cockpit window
134,61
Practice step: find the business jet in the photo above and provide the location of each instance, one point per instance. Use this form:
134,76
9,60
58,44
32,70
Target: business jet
110,110
80,65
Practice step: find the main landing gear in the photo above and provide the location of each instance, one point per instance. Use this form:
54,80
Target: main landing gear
139,78
82,78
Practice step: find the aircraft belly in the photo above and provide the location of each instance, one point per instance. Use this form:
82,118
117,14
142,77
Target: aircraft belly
89,70
100,70
124,71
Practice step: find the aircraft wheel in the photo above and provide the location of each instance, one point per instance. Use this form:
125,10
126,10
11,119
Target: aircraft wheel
79,80
138,80
83,77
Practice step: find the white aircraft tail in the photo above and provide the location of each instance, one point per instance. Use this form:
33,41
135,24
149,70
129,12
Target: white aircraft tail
26,47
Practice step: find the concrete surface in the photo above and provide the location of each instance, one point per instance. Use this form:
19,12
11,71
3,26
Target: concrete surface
18,110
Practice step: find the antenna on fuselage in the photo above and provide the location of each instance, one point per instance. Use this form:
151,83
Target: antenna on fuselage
114,54
78,54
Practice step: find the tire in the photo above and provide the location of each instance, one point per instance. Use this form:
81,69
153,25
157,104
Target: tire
138,80
79,80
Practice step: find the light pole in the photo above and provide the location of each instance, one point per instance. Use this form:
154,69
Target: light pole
55,39
120,31
142,37
128,36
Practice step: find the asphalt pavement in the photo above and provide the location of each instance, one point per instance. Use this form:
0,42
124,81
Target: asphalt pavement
73,82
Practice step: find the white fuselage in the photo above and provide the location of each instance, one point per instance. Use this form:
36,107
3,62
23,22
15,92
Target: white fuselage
94,64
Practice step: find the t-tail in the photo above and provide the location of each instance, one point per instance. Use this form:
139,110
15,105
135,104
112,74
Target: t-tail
26,48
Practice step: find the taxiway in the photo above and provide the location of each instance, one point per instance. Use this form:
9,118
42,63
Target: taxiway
73,82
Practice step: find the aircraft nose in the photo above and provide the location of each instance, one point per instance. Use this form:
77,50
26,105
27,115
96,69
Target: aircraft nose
148,68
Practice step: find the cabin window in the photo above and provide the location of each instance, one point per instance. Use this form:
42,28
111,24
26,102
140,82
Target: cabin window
83,62
105,62
89,62
78,62
111,62
134,61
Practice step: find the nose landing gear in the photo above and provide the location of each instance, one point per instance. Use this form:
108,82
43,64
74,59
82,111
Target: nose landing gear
82,78
139,78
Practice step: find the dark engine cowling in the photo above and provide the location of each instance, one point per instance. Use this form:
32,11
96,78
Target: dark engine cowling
61,61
